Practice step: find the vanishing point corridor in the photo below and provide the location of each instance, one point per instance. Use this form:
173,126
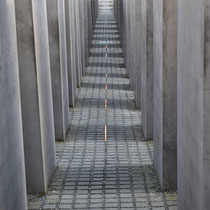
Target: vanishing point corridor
105,163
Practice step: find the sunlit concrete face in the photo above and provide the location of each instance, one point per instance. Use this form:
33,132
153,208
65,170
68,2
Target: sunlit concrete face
193,104
12,178
165,91
146,65
58,63
36,93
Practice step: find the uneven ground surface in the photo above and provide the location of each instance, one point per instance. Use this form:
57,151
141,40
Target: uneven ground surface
105,162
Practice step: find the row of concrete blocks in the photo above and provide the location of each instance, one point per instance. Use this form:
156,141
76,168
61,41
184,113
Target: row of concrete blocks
167,51
44,47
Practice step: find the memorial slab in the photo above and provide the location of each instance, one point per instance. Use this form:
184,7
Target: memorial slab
12,178
193,104
165,91
58,64
146,66
36,93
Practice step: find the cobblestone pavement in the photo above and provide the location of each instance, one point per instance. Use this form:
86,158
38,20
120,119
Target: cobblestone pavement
105,162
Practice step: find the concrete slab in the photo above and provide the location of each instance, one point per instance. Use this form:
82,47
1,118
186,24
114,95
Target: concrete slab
193,104
70,57
77,43
146,65
127,39
127,14
89,27
132,45
137,47
85,53
165,91
82,35
12,178
124,32
36,93
58,63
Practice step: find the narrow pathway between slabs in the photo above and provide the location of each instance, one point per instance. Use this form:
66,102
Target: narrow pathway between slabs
105,163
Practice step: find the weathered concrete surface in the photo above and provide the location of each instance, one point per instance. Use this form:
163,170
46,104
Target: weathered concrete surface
165,91
70,61
193,104
36,93
146,65
58,61
12,178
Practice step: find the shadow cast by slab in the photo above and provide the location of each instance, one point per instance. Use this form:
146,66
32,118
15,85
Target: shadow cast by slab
111,75
94,103
109,65
109,55
114,178
126,87
121,133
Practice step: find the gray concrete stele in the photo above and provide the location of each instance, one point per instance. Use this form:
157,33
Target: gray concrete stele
165,92
58,63
193,105
146,66
12,178
36,93
70,54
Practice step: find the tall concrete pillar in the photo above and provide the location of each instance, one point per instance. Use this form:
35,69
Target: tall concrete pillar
124,30
86,32
73,31
58,62
165,91
89,27
132,44
127,39
73,40
82,35
77,43
193,104
132,48
137,47
12,178
146,66
36,93
70,54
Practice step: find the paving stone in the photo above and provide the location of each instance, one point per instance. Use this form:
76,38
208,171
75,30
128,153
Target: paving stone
112,173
